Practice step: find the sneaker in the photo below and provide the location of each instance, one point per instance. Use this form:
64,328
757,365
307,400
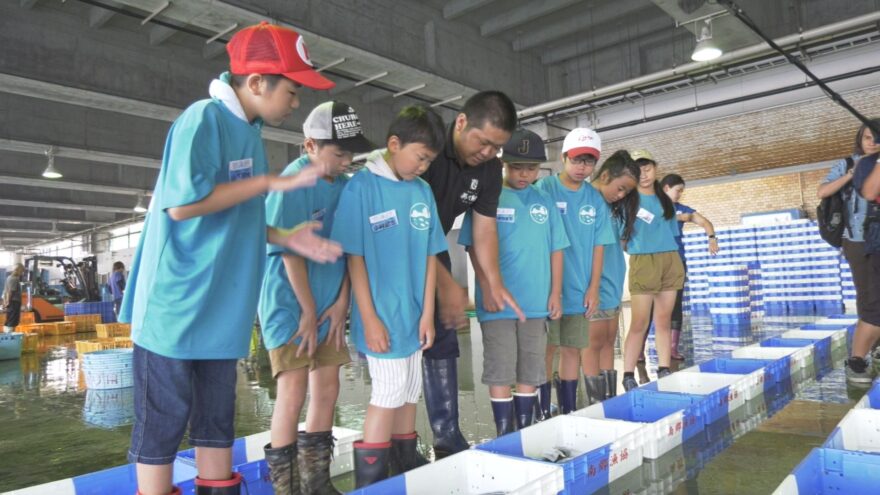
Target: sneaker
857,370
875,360
662,373
629,383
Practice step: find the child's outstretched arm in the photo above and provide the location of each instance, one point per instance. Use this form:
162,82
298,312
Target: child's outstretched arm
305,242
375,333
229,194
554,305
703,222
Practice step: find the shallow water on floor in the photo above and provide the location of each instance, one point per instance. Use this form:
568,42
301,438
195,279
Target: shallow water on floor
51,427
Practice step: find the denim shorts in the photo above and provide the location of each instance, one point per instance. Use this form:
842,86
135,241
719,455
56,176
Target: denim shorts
171,393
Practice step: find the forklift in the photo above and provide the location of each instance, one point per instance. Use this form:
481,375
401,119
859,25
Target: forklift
78,284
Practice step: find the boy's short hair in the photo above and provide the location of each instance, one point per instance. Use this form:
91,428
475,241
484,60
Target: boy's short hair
493,107
418,124
118,266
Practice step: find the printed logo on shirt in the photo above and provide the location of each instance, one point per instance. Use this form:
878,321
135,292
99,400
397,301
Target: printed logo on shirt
562,206
241,169
505,215
468,197
645,215
420,216
587,215
474,184
383,221
538,213
318,214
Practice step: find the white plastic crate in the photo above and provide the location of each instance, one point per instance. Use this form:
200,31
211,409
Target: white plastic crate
799,357
842,321
859,430
474,472
838,337
751,384
608,449
724,392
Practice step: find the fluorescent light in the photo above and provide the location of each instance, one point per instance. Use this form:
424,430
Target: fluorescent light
51,172
139,206
706,48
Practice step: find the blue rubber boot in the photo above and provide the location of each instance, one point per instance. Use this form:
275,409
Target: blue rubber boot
502,410
440,388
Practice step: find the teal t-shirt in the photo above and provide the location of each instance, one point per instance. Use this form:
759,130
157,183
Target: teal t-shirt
279,310
652,233
529,230
194,284
613,271
394,226
587,221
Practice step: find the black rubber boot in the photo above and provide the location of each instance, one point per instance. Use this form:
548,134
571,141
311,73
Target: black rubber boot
544,394
595,386
370,462
610,383
283,469
231,486
567,394
405,453
315,451
524,405
440,388
502,410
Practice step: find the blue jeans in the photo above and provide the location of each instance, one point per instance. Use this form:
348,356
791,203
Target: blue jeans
171,393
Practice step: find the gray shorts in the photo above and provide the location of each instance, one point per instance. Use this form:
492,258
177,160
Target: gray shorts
513,352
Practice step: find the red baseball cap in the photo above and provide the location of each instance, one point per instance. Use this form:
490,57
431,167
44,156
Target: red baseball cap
270,49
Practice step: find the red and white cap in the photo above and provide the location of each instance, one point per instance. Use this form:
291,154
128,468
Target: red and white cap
582,141
269,49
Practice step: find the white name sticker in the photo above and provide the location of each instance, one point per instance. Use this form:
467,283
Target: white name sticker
384,220
562,206
241,169
505,215
645,215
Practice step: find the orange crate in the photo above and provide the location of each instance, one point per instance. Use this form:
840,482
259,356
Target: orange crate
3,319
86,346
27,317
123,342
38,328
29,342
60,328
84,323
113,330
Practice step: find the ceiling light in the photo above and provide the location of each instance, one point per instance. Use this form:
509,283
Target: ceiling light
706,48
51,172
139,207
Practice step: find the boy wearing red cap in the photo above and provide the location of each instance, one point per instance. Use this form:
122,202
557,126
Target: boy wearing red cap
196,274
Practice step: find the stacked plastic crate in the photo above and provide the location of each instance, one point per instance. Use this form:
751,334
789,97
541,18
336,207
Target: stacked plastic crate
729,301
848,288
824,269
696,290
771,251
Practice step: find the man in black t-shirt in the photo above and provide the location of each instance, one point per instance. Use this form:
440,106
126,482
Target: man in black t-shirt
466,175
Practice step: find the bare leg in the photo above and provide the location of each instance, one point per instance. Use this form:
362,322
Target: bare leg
569,361
378,424
404,419
641,309
288,406
324,389
663,303
865,337
606,356
214,464
499,391
153,479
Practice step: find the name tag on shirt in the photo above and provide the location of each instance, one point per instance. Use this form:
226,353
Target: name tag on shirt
318,215
562,206
645,215
505,215
383,221
241,169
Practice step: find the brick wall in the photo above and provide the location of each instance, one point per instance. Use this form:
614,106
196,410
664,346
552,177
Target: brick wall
723,204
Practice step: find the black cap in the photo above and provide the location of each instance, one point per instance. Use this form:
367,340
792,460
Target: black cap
337,122
524,146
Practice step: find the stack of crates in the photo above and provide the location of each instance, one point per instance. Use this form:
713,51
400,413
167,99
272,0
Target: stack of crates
29,342
84,323
847,285
103,308
108,330
696,289
59,328
729,300
27,317
827,290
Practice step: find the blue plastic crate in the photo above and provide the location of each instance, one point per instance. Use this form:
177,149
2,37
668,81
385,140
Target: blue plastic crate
671,418
721,393
859,430
772,371
822,348
871,399
827,471
611,449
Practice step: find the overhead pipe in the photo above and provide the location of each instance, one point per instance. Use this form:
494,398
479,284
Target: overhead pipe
734,56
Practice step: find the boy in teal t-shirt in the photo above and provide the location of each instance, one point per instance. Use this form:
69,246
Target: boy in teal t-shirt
304,305
588,225
387,224
531,238
195,277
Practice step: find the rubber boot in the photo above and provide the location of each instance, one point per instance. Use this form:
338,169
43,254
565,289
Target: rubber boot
502,410
543,402
315,451
283,469
440,389
370,462
231,486
524,406
595,386
405,453
610,382
567,395
675,337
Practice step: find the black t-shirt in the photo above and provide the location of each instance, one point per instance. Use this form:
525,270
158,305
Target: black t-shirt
459,186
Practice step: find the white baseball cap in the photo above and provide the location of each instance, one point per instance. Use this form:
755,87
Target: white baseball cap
338,123
582,141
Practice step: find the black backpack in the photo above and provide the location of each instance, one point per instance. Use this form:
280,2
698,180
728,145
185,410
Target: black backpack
831,212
